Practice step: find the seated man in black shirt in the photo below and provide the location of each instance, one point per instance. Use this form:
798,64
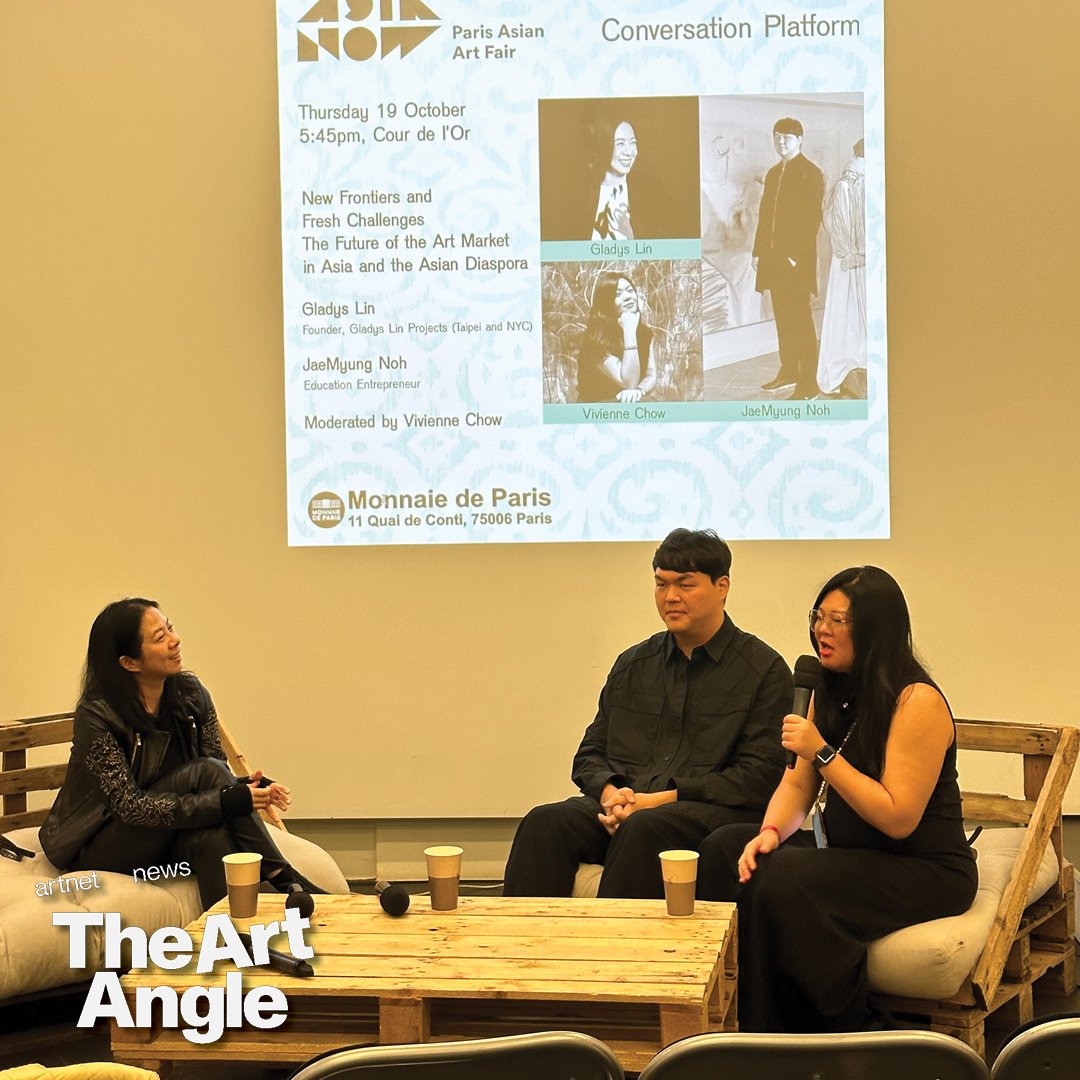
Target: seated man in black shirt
686,739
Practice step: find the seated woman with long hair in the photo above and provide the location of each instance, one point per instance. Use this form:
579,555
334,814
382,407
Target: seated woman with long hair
615,361
876,762
147,784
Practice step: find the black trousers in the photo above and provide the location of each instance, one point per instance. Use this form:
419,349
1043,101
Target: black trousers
806,917
795,333
552,840
124,848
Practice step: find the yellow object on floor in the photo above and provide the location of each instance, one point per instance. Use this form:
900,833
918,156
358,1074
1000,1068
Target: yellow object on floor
90,1070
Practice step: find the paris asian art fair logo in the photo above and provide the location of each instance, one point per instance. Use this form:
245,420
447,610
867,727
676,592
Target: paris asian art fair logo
340,35
326,510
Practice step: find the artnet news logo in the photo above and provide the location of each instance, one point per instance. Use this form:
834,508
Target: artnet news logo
351,29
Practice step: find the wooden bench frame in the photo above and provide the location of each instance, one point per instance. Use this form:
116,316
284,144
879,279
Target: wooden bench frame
17,779
1026,943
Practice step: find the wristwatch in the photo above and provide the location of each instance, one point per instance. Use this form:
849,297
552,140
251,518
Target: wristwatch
825,754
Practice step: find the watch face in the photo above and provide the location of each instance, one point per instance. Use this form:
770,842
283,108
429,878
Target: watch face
825,754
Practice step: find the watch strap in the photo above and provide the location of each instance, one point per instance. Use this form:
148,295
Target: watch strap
825,754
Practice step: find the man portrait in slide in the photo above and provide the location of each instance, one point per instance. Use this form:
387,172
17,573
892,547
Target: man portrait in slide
686,738
785,257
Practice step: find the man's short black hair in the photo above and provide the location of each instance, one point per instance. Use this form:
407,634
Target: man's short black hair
688,550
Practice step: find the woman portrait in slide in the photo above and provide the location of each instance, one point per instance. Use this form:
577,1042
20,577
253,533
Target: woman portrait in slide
619,169
615,152
876,766
147,784
615,360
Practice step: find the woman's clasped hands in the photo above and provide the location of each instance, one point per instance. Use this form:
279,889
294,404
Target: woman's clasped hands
267,795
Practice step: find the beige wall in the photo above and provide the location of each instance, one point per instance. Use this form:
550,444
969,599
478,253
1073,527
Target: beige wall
141,422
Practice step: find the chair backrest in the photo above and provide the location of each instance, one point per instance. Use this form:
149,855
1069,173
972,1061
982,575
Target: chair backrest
1049,1051
18,778
863,1055
547,1055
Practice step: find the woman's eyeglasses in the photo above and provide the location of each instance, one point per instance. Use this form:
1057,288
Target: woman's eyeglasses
835,619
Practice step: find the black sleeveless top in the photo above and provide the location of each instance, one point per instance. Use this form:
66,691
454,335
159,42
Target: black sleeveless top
939,834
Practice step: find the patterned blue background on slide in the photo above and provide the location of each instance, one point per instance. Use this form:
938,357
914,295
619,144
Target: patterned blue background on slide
379,358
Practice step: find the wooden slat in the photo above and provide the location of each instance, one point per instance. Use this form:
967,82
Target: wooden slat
37,731
36,778
14,803
22,820
457,977
239,765
620,915
1003,737
498,988
600,949
979,806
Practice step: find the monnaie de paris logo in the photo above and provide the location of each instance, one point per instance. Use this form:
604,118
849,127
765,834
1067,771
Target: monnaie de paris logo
326,509
341,36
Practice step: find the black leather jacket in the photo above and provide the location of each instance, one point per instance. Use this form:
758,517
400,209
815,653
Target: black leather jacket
112,766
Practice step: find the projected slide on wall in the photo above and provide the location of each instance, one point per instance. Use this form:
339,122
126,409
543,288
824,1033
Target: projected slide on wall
573,271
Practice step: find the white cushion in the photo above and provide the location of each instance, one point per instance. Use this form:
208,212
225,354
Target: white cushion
932,959
587,880
316,864
34,953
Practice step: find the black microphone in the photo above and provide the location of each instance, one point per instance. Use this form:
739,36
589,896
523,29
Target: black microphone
807,676
300,899
280,961
393,898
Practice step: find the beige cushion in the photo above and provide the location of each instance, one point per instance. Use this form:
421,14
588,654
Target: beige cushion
312,861
587,880
34,953
932,959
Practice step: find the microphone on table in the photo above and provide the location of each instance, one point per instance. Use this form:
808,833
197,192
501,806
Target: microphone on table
807,677
393,898
300,899
279,961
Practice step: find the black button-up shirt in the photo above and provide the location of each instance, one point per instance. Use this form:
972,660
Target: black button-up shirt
707,725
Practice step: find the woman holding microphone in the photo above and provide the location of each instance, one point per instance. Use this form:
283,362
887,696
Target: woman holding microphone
876,770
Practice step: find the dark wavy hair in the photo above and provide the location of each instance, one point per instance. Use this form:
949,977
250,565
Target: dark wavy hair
885,663
688,550
603,335
117,632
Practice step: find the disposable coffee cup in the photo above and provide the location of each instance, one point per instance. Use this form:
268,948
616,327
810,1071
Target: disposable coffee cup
243,873
679,870
444,876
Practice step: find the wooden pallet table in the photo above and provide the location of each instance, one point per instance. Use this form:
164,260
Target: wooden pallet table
622,970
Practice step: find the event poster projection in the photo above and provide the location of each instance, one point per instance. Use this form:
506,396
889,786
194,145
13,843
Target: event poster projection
566,271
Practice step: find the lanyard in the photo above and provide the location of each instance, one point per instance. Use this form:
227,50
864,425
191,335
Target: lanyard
818,813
